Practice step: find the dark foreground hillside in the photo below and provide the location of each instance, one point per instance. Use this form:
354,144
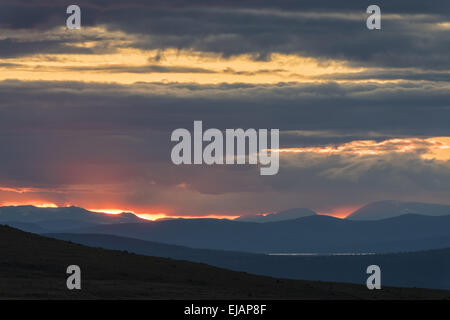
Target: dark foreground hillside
33,266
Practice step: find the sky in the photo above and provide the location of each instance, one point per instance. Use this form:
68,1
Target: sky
86,115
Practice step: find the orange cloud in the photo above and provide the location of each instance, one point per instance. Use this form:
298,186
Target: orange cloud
126,65
432,148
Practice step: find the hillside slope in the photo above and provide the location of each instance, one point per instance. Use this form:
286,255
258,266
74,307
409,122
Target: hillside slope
423,269
33,266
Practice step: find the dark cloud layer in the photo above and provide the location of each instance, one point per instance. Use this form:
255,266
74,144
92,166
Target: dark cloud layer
410,35
404,108
60,135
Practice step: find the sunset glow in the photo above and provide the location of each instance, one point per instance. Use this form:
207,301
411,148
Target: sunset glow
110,211
146,216
34,204
157,216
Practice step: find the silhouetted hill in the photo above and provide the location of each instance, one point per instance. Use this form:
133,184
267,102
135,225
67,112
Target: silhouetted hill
391,208
427,269
25,226
34,267
315,234
280,216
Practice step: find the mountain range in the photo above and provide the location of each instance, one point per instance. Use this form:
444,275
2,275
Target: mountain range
371,211
412,248
308,234
391,208
36,219
313,234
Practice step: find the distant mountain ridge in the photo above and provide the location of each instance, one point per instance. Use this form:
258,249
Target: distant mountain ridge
377,210
61,217
280,216
308,234
321,234
392,208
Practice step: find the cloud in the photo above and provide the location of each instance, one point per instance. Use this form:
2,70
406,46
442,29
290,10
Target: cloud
424,147
412,35
391,74
107,145
350,108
